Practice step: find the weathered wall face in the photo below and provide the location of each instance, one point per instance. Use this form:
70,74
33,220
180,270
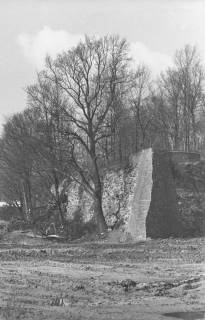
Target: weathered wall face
114,200
162,219
121,188
79,199
140,199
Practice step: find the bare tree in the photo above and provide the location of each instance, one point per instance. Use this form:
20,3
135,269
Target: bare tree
170,91
17,162
139,100
89,76
182,87
45,103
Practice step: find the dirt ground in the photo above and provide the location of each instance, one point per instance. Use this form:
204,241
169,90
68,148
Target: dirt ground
41,279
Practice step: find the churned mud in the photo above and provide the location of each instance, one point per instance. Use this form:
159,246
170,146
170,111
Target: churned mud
156,279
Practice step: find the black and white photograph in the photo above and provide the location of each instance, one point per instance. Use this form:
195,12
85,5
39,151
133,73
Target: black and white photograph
102,159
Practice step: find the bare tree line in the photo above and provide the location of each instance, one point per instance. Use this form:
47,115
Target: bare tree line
90,109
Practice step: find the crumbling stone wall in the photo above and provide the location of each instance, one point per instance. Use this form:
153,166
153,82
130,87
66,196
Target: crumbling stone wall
79,199
117,199
158,195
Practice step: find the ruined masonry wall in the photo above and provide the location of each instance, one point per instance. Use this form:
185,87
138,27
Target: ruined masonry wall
126,194
159,195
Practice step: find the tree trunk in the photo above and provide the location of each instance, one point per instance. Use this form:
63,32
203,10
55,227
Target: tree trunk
101,223
176,134
187,138
58,200
26,208
136,135
120,148
176,141
194,130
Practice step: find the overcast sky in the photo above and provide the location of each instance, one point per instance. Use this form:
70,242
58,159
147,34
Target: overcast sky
29,29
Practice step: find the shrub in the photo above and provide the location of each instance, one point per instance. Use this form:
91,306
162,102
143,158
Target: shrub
3,229
76,227
19,224
8,212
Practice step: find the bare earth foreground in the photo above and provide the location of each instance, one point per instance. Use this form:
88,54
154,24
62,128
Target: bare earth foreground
40,279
